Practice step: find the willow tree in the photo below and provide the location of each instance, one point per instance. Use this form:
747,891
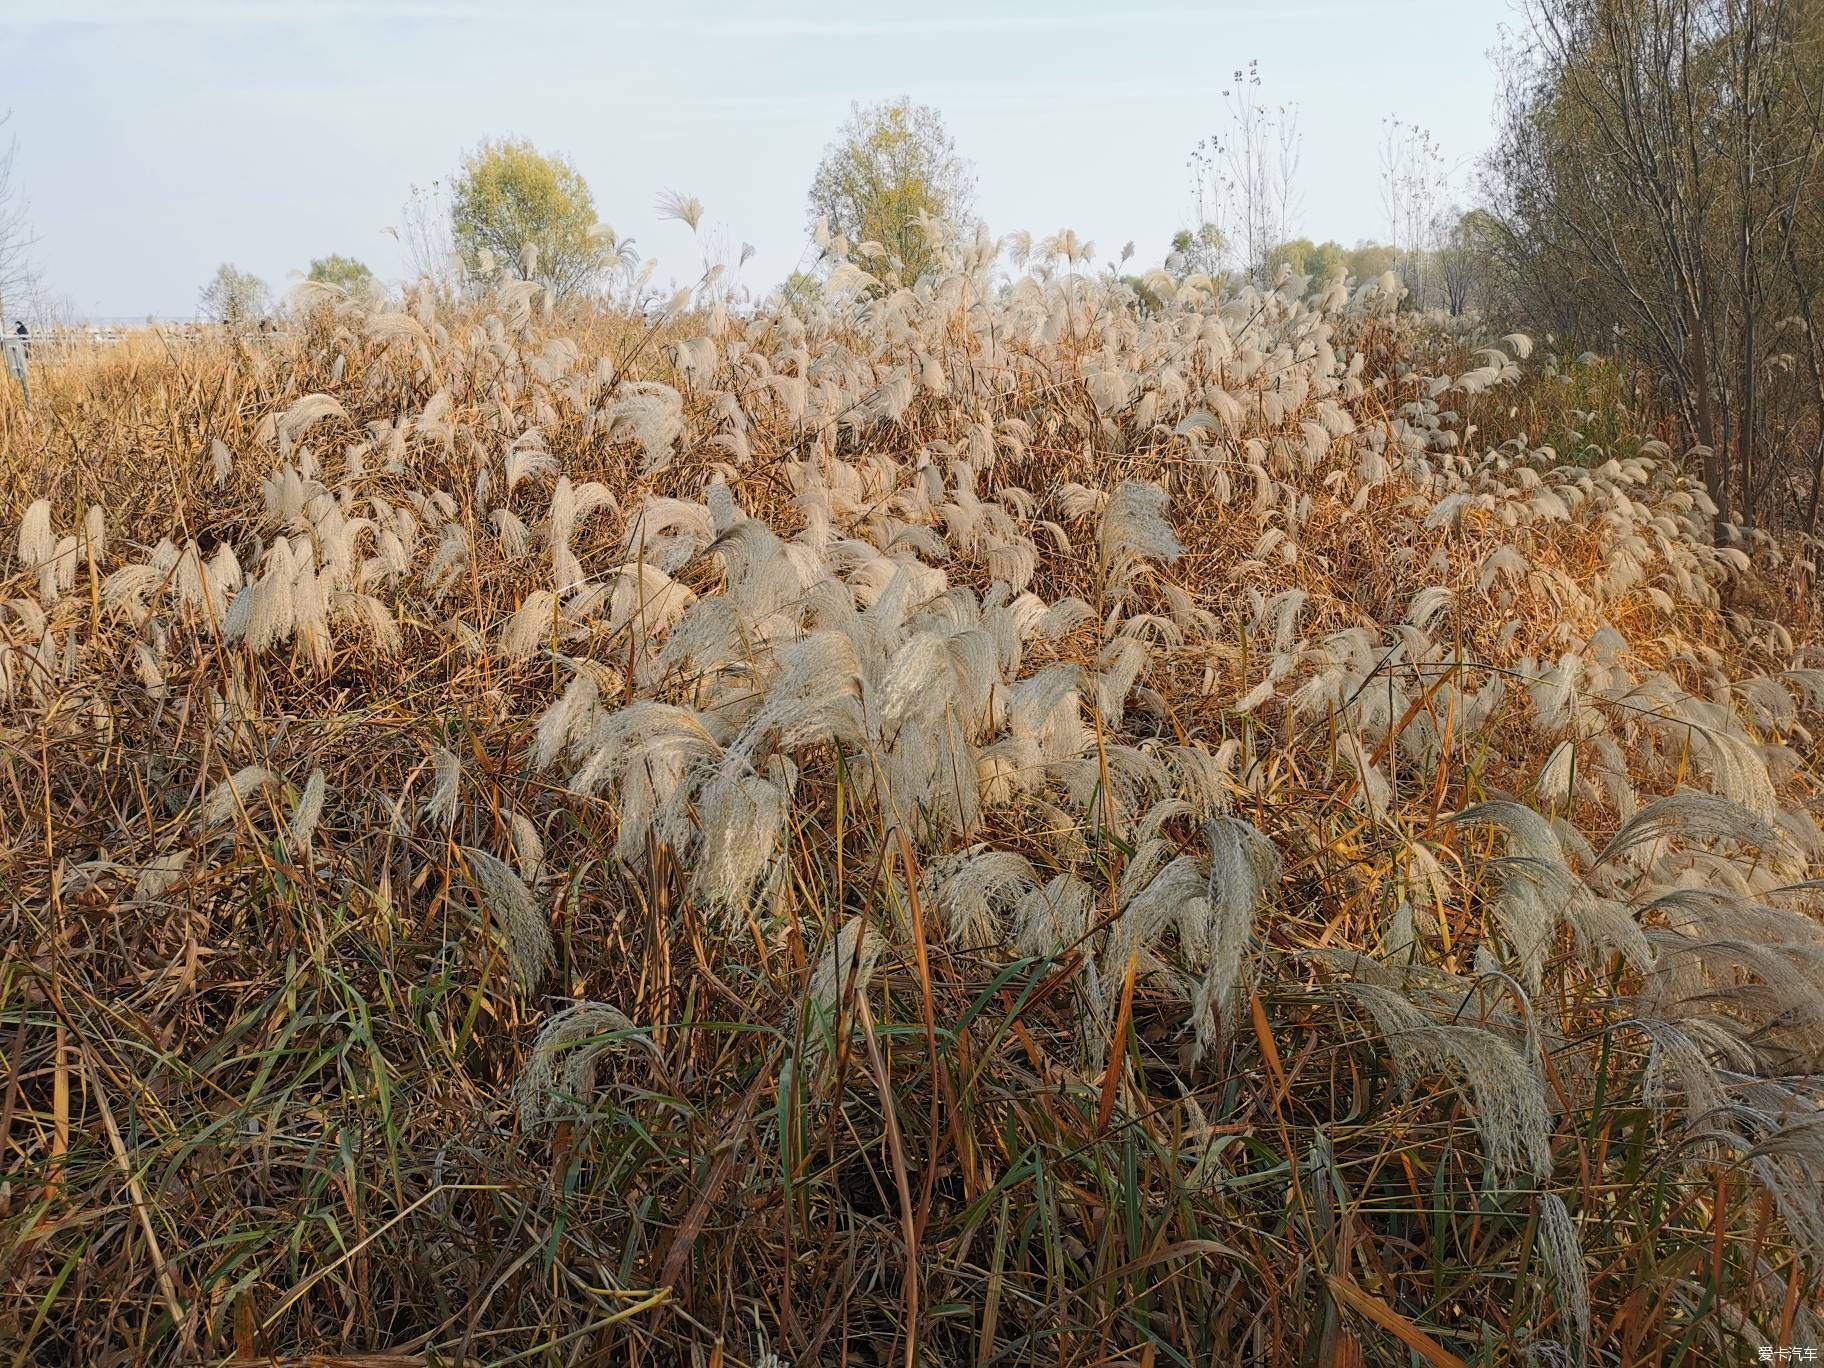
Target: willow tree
893,167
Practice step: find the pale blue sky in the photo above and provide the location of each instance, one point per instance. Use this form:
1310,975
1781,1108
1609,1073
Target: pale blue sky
158,139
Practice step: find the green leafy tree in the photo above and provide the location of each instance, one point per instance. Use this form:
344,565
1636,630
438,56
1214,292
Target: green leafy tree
801,291
1146,298
351,275
513,206
234,297
1319,260
893,166
1198,252
1369,260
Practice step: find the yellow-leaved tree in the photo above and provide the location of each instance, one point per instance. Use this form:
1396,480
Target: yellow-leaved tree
509,197
345,272
892,165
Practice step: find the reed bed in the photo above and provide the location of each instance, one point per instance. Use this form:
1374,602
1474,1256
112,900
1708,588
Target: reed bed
974,824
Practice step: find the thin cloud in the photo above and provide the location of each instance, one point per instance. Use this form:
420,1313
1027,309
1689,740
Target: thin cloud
251,12
936,25
940,25
289,13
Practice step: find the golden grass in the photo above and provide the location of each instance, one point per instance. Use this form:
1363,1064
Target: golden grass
290,1096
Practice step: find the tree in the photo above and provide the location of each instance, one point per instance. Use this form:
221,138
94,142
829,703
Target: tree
1412,178
801,292
1369,261
893,166
423,232
1658,189
1146,298
513,206
1465,248
1196,253
345,272
1318,260
1246,178
16,279
234,297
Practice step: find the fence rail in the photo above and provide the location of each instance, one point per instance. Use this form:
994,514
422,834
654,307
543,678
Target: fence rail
70,341
87,336
21,354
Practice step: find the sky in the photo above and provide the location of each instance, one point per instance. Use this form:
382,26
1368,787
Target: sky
158,139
